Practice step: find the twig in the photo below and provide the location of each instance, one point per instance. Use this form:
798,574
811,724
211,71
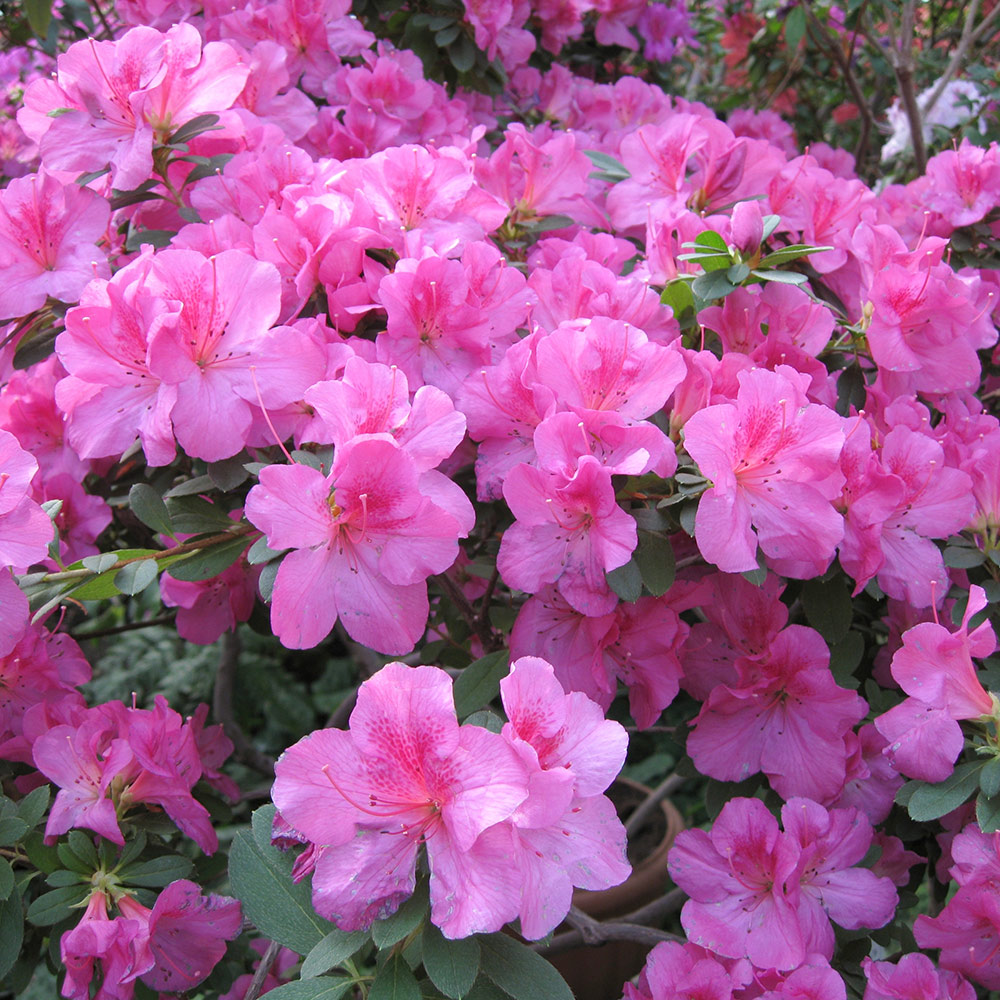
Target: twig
961,51
479,626
260,973
844,62
222,706
646,808
601,933
183,549
653,913
127,627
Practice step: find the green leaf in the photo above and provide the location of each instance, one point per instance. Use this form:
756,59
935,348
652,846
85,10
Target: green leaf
451,965
12,829
845,657
678,295
11,932
82,845
463,54
549,223
851,388
259,553
479,683
988,813
229,473
789,253
158,238
963,556
712,285
33,805
405,920
100,563
6,879
710,240
39,14
934,801
485,989
331,951
194,127
781,277
135,577
148,506
281,909
102,586
191,487
394,981
154,873
828,607
210,562
795,28
519,971
52,907
193,515
654,556
626,581
485,719
62,877
607,165
989,778
738,273
324,988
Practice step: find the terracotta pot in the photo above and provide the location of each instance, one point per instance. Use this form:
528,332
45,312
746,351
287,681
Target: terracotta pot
598,973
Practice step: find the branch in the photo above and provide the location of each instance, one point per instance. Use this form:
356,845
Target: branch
593,933
648,806
844,62
99,633
477,623
260,973
965,42
184,548
222,707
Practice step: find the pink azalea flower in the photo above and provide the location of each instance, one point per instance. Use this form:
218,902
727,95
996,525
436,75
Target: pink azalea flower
567,532
568,833
120,946
365,539
187,934
968,933
406,768
116,98
676,971
786,716
741,878
934,667
913,977
772,458
48,236
770,896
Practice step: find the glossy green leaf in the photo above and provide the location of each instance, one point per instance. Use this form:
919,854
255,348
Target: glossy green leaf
210,562
331,951
394,981
135,577
479,683
934,801
261,878
626,581
654,556
519,971
451,965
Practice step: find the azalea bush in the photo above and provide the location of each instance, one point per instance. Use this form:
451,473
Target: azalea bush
415,416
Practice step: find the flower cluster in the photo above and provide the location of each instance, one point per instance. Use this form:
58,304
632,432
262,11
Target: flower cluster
511,821
614,406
